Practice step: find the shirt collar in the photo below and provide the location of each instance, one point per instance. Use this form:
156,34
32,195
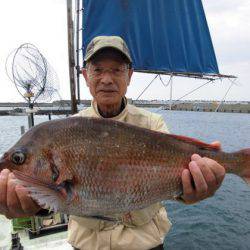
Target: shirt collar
120,116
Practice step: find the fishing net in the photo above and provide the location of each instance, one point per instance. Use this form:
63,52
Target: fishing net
34,78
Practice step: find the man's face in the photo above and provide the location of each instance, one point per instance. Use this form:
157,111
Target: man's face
107,79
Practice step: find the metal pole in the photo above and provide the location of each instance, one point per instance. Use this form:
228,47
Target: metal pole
78,72
31,115
31,120
22,130
71,57
171,93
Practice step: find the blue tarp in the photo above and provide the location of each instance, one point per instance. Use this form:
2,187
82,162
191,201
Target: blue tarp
162,35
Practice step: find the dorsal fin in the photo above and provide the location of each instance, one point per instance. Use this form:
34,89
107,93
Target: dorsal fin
196,142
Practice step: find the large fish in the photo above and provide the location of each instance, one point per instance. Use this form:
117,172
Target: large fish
93,167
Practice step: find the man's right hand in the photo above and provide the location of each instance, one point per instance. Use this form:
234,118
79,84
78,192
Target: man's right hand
14,199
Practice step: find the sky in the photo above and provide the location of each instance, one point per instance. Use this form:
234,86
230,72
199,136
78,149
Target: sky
44,24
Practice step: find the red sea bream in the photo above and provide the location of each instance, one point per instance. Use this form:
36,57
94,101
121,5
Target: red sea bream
90,166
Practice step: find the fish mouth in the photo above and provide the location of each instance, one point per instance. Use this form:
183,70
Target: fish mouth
3,163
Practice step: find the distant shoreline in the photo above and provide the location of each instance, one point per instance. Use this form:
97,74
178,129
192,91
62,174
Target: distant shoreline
63,107
67,103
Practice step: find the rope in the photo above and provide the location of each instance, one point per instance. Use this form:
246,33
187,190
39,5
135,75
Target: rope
146,88
194,90
224,97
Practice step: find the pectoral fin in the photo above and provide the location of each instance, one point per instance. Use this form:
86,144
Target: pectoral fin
46,195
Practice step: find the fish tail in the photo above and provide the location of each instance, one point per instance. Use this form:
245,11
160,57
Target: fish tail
245,173
238,163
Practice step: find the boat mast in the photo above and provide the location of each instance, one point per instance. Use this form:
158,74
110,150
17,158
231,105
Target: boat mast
71,57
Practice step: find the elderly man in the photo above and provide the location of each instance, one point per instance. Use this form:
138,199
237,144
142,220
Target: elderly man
108,70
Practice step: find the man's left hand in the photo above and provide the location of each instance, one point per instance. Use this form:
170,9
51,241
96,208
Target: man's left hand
202,179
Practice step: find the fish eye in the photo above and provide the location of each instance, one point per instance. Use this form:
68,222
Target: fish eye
18,157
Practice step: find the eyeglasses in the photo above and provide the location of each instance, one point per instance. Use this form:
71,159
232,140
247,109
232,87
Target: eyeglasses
99,71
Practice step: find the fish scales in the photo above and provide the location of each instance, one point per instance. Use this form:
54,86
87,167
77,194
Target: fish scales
116,158
97,166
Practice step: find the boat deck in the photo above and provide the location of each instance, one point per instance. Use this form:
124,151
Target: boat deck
48,242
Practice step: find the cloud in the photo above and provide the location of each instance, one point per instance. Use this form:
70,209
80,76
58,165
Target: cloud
229,24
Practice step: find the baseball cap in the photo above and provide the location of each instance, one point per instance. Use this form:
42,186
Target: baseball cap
100,42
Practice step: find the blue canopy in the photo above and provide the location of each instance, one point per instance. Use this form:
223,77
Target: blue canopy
164,36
